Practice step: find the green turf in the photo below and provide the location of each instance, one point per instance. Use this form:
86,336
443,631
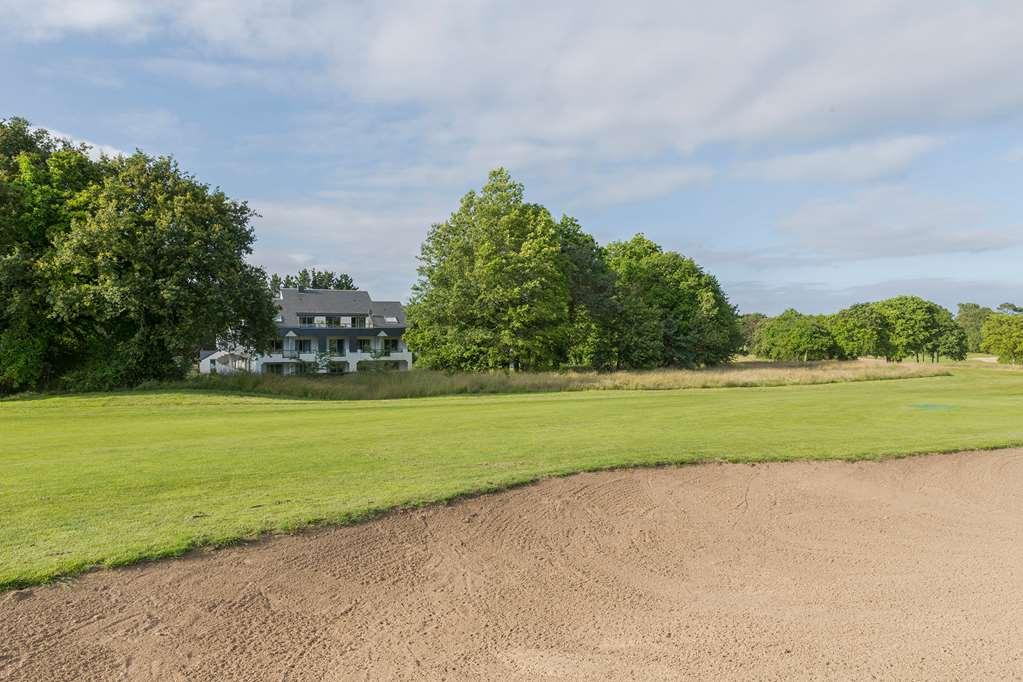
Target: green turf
117,478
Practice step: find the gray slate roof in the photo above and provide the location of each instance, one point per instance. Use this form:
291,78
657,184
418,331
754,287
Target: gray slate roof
383,309
295,302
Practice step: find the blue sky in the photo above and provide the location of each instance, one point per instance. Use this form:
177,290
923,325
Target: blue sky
808,154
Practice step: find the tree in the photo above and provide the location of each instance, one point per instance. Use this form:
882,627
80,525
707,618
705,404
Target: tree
922,329
673,313
1010,309
503,285
861,330
1003,335
119,269
593,309
312,279
491,292
952,342
793,336
971,318
749,323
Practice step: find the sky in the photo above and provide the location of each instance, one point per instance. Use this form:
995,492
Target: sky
809,154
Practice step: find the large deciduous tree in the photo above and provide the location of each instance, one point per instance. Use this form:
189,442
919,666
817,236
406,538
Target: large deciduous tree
673,313
794,337
504,285
491,291
119,269
861,330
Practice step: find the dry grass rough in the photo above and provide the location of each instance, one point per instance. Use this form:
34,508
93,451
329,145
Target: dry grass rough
427,383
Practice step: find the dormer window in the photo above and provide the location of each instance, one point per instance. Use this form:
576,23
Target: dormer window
390,319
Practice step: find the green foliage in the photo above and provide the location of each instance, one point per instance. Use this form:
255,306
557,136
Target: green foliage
749,323
922,329
1010,309
593,309
119,269
492,292
1003,336
971,317
673,313
312,279
793,336
861,330
504,285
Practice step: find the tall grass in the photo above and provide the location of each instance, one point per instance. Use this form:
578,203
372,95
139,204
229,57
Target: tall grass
425,383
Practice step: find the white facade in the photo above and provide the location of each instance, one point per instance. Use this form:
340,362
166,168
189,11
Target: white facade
324,331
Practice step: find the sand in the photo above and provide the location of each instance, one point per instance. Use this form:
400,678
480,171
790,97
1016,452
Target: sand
908,568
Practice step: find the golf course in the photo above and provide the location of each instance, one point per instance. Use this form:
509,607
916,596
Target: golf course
112,479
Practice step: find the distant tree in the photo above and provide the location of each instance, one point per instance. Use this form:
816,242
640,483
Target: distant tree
673,313
491,292
1003,336
1010,309
749,323
861,330
952,342
971,318
312,279
793,336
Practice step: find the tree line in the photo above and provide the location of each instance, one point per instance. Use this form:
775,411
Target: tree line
895,329
504,285
116,271
311,278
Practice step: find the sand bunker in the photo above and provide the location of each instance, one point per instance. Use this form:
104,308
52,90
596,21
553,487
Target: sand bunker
907,568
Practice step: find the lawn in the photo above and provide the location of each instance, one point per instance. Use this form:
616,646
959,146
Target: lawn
112,479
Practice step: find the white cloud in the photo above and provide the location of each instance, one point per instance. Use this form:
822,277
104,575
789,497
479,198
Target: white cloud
893,222
603,79
626,185
96,149
850,163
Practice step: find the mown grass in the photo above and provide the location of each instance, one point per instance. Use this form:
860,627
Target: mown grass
426,383
113,479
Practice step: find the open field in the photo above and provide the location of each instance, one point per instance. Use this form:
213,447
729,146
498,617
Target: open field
901,569
113,479
426,384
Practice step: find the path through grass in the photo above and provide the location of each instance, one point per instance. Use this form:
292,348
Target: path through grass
118,478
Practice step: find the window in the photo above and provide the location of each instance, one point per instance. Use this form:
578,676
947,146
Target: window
390,319
359,321
333,320
391,345
336,346
365,345
277,346
307,320
304,345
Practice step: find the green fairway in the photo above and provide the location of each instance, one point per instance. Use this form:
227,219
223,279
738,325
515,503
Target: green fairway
115,478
